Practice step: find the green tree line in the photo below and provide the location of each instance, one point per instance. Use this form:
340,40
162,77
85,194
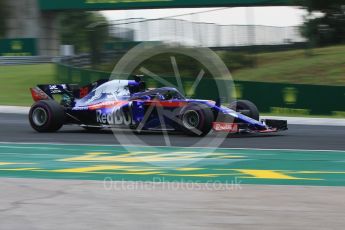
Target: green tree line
3,17
327,29
84,30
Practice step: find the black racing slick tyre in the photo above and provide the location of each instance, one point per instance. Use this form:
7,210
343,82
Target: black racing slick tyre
46,116
196,119
247,108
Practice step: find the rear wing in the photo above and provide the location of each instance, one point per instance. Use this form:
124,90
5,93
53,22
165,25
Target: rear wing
73,91
46,92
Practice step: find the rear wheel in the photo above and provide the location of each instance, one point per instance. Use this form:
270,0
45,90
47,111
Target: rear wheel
46,116
246,108
196,119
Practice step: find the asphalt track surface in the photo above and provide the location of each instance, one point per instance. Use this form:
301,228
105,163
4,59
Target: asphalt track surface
16,128
31,203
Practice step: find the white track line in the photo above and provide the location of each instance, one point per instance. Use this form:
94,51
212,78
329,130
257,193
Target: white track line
14,109
181,147
311,121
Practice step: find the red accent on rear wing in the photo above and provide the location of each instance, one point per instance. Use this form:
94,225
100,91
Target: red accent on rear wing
38,94
83,91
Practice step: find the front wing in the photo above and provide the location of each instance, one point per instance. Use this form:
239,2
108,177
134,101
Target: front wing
269,126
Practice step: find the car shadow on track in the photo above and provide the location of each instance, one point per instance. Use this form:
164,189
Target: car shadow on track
159,133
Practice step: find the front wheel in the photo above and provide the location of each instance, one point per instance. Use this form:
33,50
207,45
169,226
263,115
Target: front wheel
246,108
196,119
46,116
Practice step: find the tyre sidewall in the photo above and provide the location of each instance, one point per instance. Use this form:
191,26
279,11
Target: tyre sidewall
55,116
205,119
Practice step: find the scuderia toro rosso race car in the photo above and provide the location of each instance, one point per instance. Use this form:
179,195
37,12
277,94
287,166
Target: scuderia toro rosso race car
127,103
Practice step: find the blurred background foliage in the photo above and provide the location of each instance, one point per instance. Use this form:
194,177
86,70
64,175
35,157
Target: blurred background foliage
3,17
83,30
327,29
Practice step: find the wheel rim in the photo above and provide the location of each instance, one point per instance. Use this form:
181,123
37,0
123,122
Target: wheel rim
39,116
191,119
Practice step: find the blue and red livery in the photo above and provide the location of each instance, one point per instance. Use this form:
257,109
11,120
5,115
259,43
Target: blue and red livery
127,103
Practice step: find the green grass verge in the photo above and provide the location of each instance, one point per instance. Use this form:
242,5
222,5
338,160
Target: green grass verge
16,81
326,66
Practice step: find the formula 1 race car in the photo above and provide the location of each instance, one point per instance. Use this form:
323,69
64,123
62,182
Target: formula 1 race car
127,103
